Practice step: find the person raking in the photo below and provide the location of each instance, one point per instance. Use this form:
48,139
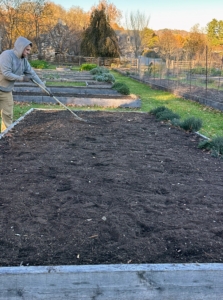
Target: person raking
14,66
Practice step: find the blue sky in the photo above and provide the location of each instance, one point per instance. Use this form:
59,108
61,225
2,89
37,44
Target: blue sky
172,14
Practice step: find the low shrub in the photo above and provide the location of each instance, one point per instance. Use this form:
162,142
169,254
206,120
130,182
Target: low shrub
87,67
198,70
205,144
98,77
167,115
158,109
163,113
215,72
117,85
122,88
99,70
176,122
191,124
215,146
39,64
106,77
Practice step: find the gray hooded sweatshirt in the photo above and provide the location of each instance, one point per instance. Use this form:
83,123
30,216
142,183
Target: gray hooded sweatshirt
13,66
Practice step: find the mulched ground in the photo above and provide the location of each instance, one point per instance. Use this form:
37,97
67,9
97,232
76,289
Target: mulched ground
120,189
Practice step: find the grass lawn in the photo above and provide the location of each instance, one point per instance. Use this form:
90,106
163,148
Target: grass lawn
212,119
53,83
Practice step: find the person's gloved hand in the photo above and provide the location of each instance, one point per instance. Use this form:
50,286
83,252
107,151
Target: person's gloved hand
48,91
26,79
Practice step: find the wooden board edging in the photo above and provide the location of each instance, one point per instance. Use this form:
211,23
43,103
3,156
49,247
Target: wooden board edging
15,123
130,282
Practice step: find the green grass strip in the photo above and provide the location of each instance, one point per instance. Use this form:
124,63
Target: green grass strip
63,83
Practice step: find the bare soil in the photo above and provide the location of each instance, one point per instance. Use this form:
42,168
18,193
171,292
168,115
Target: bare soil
121,188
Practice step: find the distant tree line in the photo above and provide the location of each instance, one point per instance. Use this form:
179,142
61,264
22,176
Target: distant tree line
94,33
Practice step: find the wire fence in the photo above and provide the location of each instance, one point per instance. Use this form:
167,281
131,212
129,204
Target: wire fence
208,75
200,80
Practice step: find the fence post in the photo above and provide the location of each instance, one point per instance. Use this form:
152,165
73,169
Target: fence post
206,81
161,68
219,82
190,72
137,66
154,68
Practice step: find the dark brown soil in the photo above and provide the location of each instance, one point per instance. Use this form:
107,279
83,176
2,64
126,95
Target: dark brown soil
120,189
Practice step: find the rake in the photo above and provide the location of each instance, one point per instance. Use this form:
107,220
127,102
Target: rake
51,95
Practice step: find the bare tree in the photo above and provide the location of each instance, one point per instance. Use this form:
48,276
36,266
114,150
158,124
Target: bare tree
36,21
167,45
27,18
136,23
77,21
60,38
195,43
10,17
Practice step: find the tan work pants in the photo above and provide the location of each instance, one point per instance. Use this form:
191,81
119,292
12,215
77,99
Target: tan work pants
6,108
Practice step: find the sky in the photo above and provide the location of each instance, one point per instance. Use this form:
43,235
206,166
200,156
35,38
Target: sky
171,14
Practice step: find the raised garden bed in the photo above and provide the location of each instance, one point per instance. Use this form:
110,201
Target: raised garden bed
64,75
92,95
121,189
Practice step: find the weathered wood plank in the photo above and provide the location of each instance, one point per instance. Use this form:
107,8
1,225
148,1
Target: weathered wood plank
123,101
152,282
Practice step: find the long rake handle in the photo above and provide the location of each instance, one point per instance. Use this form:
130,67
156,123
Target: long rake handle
76,116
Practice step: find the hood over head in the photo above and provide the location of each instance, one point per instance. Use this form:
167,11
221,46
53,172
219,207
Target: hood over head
20,44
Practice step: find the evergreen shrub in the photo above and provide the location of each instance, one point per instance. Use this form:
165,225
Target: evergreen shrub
176,122
122,88
163,113
191,124
215,146
39,64
167,115
158,109
99,70
87,67
106,77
